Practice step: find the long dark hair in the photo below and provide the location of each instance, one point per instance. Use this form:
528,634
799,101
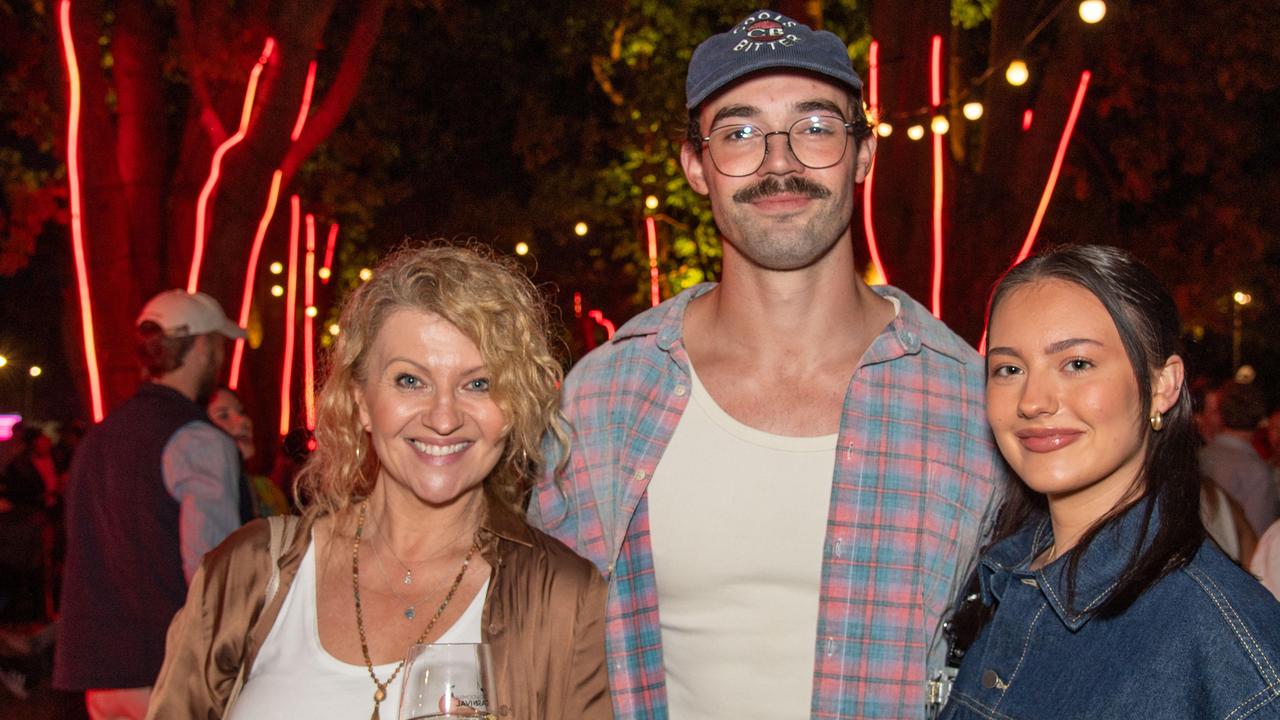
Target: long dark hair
1147,321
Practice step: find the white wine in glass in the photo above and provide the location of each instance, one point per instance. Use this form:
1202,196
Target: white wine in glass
447,680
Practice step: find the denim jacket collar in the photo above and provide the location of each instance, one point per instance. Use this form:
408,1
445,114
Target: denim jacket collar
1099,570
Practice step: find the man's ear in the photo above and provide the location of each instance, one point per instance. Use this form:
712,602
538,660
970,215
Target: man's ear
694,170
866,155
1166,384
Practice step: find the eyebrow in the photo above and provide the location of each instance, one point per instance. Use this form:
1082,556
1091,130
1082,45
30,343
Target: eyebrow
1050,349
481,368
811,106
735,111
804,106
1061,345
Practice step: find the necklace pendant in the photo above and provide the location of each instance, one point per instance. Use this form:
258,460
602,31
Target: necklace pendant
409,613
408,577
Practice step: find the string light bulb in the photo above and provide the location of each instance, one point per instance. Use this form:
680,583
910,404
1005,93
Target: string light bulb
311,311
580,229
277,291
3,361
651,202
972,110
276,267
366,274
1017,73
915,132
884,129
334,329
939,125
35,371
324,273
1092,11
522,248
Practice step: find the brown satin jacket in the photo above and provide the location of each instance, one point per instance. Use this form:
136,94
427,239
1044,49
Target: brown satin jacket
543,616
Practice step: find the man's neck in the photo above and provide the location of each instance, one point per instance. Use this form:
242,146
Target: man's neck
816,311
183,382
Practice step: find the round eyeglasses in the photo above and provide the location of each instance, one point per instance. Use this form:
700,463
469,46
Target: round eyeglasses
817,141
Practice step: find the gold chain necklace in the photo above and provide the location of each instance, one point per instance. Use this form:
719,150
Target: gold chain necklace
380,693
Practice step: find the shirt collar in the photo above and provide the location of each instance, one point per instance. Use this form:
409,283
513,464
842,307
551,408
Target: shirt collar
665,320
1097,574
912,328
500,524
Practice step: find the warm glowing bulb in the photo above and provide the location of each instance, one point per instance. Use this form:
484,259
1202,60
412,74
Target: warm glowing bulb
522,248
650,202
311,311
366,274
1017,73
884,129
334,329
277,291
915,132
972,110
580,229
1092,11
276,267
939,125
1242,298
35,371
324,273
3,361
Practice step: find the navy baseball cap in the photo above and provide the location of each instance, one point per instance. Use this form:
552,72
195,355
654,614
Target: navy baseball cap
766,39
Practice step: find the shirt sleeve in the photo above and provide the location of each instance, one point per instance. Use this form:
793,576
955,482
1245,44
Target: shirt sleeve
201,467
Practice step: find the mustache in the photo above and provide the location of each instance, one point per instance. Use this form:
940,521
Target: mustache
770,186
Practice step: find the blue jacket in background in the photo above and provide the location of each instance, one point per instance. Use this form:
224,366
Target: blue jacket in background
1203,642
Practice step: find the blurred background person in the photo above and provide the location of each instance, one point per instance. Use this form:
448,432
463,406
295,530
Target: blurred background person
1232,412
260,496
151,489
441,387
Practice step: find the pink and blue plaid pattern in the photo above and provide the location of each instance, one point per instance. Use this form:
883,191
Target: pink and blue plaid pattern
916,476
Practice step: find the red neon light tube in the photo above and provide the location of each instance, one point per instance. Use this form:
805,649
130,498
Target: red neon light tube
77,209
290,307
935,83
328,253
1057,167
651,230
250,272
603,322
306,102
868,223
308,327
215,166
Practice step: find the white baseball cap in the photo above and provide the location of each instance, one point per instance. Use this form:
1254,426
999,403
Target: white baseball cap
180,313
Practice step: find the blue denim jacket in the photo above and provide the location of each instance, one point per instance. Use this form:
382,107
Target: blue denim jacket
1203,642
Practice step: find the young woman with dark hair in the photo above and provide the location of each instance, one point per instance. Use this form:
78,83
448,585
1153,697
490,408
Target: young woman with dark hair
1103,597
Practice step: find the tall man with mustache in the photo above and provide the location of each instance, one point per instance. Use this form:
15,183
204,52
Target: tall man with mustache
783,475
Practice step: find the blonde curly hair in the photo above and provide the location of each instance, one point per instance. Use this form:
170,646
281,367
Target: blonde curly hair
495,305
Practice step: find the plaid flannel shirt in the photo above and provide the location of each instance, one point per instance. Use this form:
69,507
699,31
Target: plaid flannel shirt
916,477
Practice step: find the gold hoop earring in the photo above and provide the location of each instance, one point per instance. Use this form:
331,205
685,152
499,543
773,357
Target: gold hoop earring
1157,421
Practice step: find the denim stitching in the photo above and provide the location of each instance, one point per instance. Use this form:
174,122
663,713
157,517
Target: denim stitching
977,706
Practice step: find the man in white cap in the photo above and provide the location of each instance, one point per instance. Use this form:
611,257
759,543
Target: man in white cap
151,490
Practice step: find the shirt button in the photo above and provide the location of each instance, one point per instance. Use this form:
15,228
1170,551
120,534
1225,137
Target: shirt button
639,475
681,390
830,646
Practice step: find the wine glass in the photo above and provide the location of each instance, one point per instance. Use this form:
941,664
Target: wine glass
447,680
